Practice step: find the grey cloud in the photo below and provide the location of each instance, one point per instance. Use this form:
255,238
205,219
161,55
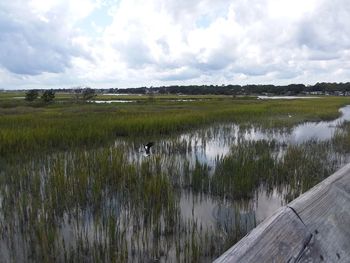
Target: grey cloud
31,46
328,28
247,12
185,74
259,48
187,12
321,55
214,64
164,46
288,48
134,52
215,59
257,70
285,74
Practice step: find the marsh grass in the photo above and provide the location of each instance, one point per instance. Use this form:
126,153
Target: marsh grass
68,194
26,128
88,205
114,210
250,165
341,139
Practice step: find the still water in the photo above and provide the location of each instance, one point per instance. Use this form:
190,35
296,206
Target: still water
193,197
212,143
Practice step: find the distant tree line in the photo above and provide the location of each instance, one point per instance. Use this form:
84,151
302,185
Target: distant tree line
292,89
84,94
87,93
47,96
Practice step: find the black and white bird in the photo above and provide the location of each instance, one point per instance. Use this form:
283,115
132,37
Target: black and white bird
148,147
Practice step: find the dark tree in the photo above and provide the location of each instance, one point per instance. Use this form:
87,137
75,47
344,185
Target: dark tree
77,94
88,93
31,95
48,96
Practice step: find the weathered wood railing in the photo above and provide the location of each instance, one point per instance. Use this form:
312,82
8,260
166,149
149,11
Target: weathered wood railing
313,228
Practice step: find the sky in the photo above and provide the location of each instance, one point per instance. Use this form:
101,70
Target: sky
133,43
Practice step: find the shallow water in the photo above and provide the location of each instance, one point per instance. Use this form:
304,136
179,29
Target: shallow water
121,94
210,143
127,101
285,97
192,198
111,101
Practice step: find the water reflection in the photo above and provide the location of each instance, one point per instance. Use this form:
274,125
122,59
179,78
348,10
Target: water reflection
216,141
111,101
322,131
194,196
285,97
267,204
210,145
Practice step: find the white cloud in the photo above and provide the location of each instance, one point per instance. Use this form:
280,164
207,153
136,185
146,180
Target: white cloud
74,10
37,40
161,42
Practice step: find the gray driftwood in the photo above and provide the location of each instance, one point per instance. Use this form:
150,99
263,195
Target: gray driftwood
313,228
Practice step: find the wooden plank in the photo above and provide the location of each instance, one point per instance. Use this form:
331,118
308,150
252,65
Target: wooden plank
313,228
280,238
325,210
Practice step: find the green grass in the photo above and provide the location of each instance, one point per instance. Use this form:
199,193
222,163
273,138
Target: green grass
120,210
28,127
252,164
10,95
68,195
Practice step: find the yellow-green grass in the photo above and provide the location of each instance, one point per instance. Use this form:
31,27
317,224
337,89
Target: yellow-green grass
11,95
31,126
44,194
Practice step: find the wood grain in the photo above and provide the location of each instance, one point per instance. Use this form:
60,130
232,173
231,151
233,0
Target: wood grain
313,228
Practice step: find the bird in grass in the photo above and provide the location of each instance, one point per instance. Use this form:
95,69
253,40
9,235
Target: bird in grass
148,147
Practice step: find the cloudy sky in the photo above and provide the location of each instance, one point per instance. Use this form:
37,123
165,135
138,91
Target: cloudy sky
129,43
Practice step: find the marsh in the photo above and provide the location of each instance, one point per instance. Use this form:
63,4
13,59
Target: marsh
200,191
